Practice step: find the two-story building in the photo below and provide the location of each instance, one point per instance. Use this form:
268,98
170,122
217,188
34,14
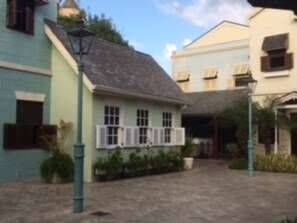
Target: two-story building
25,85
210,71
273,43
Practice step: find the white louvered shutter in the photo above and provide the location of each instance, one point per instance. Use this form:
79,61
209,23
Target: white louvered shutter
101,136
158,137
179,136
131,135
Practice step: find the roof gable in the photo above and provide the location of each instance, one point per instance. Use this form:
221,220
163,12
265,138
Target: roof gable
111,67
224,32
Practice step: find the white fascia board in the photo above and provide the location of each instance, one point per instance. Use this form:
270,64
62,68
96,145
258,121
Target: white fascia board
67,56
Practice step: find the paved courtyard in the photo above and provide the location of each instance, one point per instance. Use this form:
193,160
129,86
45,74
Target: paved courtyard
208,193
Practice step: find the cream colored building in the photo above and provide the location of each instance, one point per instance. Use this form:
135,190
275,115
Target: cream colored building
216,62
273,43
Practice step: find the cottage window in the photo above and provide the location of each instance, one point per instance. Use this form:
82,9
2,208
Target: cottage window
27,131
167,125
143,124
20,15
112,121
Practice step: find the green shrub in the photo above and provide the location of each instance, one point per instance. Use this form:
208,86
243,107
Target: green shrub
239,164
233,149
289,220
59,163
136,164
59,167
276,163
160,163
175,160
188,149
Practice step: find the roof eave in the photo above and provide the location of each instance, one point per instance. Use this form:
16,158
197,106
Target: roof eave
99,89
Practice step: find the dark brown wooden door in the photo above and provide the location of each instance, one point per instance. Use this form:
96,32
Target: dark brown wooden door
294,136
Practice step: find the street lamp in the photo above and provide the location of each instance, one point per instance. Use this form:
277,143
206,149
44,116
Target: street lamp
80,41
250,85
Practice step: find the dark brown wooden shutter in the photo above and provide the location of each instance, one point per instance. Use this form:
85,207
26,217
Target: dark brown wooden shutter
51,130
10,140
265,64
12,17
29,20
289,61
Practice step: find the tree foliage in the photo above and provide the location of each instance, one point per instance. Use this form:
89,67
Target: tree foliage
102,27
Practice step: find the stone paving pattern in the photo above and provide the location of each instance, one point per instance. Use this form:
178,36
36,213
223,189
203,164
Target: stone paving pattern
208,193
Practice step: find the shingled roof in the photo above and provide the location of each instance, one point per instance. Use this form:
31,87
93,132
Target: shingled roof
113,66
213,102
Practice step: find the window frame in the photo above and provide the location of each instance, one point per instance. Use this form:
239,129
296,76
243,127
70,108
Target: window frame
20,15
167,124
113,129
266,61
143,137
27,131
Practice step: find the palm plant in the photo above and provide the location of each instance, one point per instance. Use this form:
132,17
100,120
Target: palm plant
236,117
266,121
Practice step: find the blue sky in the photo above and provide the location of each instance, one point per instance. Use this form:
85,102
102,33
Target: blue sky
157,27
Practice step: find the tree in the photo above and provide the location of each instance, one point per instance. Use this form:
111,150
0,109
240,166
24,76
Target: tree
236,117
263,116
102,27
266,121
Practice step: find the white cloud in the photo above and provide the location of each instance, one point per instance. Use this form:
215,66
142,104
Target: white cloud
137,45
169,48
186,41
207,13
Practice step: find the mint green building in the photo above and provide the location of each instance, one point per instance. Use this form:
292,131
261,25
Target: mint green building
129,101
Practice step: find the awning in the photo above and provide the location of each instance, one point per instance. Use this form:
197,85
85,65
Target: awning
183,76
240,69
210,73
276,42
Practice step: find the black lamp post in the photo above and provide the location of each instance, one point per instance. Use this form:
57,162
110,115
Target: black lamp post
80,40
250,85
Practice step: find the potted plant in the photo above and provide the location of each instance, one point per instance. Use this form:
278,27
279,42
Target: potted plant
59,167
187,151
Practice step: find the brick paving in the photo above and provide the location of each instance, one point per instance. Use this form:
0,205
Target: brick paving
208,193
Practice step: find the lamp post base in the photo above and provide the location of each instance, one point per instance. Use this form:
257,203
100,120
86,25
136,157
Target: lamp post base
78,199
251,158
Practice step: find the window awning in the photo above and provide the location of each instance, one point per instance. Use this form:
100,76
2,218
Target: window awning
40,2
210,73
183,76
240,69
276,42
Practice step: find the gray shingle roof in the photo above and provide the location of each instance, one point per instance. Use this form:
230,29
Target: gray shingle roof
213,102
118,67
